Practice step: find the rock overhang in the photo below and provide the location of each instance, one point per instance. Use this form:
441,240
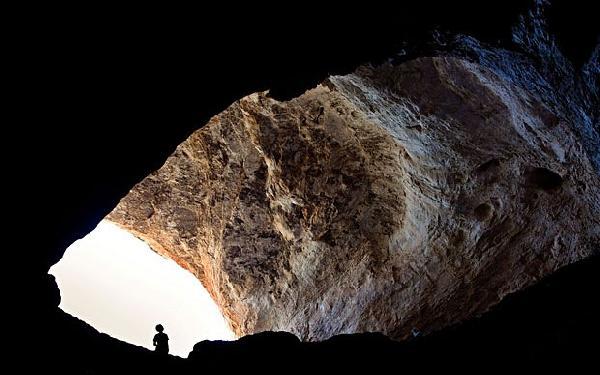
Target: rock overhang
393,198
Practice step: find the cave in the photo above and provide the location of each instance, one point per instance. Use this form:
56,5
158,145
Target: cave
113,281
274,199
350,198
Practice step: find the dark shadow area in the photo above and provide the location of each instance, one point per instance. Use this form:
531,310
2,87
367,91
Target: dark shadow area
544,179
110,94
550,326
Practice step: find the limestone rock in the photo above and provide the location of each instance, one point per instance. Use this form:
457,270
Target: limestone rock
391,199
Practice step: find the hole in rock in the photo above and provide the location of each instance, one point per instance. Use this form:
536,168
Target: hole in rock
544,179
117,284
483,211
488,166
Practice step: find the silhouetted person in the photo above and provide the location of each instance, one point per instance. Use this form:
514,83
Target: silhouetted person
161,340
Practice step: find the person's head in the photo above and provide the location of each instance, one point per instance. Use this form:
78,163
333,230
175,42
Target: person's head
160,328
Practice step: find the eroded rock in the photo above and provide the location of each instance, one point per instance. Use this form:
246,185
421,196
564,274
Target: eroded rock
395,198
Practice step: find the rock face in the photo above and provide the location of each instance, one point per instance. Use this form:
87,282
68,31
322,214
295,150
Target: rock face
395,198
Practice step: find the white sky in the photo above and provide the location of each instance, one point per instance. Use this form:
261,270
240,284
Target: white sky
117,284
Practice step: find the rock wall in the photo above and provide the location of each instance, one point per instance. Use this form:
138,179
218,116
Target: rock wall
391,199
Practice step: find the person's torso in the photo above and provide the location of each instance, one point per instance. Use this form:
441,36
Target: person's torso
162,338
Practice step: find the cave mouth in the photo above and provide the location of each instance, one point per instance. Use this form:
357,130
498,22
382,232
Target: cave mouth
113,281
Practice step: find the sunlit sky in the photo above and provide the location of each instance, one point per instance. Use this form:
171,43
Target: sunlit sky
117,284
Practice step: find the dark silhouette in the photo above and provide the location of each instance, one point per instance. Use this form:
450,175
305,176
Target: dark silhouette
161,340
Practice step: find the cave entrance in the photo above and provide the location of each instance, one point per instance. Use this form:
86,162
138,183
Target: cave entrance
117,284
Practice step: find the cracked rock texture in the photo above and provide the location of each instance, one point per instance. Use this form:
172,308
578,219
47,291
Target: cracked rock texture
394,198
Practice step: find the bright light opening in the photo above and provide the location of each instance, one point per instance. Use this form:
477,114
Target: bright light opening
117,284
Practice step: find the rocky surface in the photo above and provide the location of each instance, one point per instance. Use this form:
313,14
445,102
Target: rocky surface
393,199
536,64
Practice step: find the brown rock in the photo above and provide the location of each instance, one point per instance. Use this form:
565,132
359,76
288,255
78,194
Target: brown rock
393,198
